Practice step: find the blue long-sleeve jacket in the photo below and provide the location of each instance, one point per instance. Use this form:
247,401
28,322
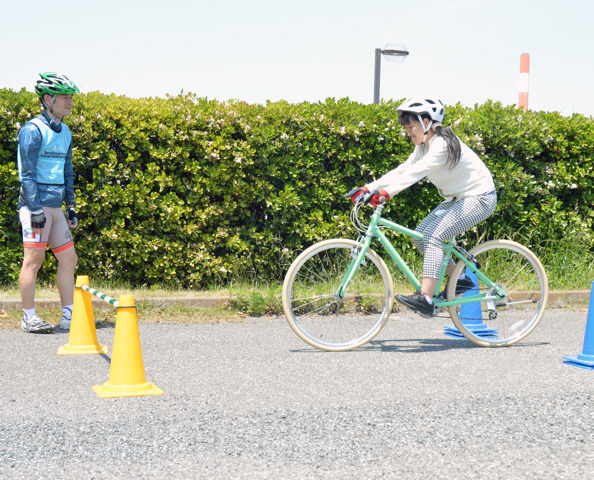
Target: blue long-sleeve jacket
45,164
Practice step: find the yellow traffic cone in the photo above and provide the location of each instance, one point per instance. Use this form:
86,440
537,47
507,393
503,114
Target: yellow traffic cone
83,335
126,374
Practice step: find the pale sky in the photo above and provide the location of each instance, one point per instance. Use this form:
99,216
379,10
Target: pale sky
464,51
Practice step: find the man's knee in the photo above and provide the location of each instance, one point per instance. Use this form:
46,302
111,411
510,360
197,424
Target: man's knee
33,259
73,259
67,258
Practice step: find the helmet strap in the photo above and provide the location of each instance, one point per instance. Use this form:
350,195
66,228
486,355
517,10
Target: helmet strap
43,102
50,108
425,130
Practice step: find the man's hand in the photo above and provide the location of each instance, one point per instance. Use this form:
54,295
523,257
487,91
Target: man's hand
72,217
37,222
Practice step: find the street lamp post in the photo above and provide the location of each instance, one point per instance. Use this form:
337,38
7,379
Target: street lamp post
392,52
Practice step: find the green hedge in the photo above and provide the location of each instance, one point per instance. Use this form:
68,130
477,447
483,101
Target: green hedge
193,192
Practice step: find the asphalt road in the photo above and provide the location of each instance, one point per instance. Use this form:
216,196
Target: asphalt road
250,400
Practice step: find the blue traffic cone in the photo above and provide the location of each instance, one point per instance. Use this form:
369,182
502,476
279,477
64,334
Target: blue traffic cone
471,314
586,358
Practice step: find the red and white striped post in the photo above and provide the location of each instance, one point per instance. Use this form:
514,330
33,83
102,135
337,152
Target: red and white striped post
524,69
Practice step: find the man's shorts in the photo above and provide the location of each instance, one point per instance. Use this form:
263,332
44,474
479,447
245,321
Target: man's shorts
56,232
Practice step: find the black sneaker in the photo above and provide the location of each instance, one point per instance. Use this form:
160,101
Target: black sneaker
418,303
464,285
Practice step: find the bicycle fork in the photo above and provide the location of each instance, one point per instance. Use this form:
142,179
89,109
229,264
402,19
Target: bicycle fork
358,255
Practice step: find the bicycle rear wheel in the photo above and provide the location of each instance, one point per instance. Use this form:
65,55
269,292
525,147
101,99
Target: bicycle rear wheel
519,297
315,311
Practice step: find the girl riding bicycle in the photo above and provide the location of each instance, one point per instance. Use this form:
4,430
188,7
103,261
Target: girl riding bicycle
459,175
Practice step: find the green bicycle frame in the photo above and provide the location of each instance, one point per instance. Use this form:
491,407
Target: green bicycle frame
374,231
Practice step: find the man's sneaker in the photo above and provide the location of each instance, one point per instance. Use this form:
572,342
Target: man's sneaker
418,303
65,323
35,324
464,285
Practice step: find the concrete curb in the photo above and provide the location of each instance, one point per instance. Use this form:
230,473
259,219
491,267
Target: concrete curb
200,302
559,299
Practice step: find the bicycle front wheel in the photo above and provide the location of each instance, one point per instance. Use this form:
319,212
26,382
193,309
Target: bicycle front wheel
322,316
514,305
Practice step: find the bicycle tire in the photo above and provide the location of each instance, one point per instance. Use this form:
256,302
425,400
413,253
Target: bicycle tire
314,310
509,319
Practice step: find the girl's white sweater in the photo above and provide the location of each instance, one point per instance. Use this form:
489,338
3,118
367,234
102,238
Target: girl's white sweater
469,177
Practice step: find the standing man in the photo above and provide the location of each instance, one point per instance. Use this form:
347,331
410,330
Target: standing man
45,171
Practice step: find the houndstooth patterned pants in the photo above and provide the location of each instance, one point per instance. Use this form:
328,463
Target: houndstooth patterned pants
449,219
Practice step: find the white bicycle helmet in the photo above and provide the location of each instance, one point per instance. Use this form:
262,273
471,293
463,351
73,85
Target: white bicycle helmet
431,106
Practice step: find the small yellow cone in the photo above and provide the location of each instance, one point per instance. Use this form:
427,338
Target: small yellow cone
126,374
83,335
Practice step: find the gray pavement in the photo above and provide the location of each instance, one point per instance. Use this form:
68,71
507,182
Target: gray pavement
250,400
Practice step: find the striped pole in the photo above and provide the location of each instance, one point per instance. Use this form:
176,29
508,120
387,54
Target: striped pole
102,296
524,69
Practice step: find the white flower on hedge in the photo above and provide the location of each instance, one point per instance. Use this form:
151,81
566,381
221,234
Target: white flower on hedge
342,130
361,124
223,270
284,136
573,186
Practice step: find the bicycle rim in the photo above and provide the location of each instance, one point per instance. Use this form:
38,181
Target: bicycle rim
312,305
521,295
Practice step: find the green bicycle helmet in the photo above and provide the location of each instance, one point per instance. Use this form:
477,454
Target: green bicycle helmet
55,84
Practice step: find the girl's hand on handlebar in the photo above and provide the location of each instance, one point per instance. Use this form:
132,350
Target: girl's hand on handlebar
377,198
356,194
